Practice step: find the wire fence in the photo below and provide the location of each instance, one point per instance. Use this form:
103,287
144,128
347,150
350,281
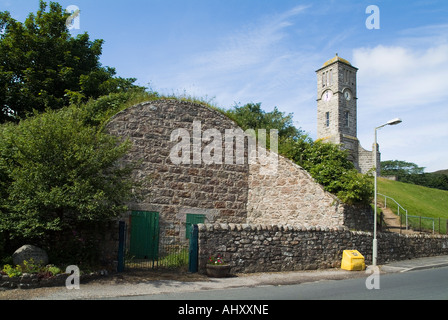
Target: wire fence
415,222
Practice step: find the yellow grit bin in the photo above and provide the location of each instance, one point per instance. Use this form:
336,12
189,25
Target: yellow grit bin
353,260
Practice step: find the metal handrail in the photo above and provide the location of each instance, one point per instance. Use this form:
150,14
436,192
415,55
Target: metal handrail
399,205
407,215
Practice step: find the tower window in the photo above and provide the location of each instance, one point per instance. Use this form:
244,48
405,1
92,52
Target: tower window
347,118
327,78
327,119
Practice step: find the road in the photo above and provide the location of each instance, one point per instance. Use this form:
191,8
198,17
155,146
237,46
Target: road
430,284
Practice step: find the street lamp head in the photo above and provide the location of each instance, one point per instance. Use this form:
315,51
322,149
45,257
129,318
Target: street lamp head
394,122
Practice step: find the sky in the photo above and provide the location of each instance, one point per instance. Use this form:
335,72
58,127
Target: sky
230,52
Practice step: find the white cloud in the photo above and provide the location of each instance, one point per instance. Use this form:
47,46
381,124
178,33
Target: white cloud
251,45
408,81
402,77
250,64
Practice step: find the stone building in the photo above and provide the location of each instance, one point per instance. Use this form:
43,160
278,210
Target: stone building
208,192
337,111
185,187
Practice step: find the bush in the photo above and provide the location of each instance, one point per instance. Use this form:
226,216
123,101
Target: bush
30,267
12,271
330,167
61,175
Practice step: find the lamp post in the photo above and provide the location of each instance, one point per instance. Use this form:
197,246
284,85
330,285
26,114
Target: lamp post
375,155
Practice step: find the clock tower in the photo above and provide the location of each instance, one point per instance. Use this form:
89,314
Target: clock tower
337,110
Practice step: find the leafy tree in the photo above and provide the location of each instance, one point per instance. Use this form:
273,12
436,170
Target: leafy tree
251,116
399,168
439,181
59,175
430,180
43,67
411,173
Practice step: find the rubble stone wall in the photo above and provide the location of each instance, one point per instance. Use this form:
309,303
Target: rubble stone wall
266,248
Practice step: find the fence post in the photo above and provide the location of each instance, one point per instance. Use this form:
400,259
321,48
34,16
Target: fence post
121,237
401,223
193,252
381,222
406,219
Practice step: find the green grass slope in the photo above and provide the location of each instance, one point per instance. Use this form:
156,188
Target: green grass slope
417,200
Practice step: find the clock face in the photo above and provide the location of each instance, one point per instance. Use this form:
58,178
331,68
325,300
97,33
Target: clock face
348,95
327,95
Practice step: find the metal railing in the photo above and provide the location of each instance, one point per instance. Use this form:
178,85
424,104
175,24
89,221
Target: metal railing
398,205
167,253
401,211
170,255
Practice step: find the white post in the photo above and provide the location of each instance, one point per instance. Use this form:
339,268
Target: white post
375,151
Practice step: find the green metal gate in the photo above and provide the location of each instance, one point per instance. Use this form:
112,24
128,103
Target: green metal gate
144,241
147,250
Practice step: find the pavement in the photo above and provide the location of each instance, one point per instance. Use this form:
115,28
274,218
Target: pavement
416,264
119,287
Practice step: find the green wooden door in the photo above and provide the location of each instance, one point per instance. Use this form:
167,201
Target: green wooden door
144,242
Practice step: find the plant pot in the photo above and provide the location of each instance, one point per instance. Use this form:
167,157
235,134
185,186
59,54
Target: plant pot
218,270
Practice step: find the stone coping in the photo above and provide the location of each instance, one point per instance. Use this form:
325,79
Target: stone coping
297,228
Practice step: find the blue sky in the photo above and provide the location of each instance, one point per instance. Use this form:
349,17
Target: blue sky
267,51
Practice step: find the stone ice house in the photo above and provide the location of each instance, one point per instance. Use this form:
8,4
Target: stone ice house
194,190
